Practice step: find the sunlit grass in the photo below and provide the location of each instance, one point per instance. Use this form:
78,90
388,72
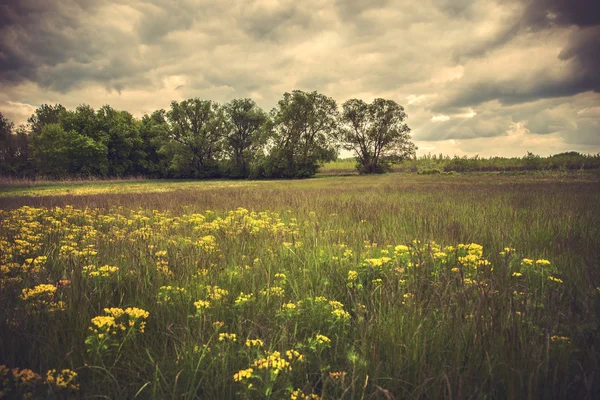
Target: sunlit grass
83,188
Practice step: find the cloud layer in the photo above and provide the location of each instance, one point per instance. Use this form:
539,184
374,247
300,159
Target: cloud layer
489,77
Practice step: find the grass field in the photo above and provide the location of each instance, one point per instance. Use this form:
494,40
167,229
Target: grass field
395,286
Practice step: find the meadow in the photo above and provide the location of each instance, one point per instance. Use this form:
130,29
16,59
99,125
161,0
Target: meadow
337,287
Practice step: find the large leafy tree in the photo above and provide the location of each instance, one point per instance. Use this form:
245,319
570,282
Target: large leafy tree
85,122
45,115
122,138
59,153
197,131
13,149
376,133
154,133
304,128
6,143
246,136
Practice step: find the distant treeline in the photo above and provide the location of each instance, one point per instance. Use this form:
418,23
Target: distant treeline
433,164
203,139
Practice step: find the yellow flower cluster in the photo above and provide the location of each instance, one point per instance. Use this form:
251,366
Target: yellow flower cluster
42,298
64,379
201,304
300,395
243,298
105,271
322,339
243,374
377,262
273,362
254,343
167,294
118,320
352,276
216,293
44,290
25,383
227,337
335,304
340,314
207,243
335,375
273,291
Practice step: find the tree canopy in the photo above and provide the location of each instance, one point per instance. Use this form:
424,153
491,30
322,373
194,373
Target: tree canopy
376,133
198,138
304,126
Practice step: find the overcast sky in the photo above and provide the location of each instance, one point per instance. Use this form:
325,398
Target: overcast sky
487,77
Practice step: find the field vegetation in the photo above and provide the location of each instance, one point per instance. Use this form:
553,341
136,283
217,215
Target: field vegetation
348,287
438,163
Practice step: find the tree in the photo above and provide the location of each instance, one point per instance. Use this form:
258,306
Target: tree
154,133
376,133
45,115
247,134
304,125
197,131
123,142
6,143
84,121
13,149
59,153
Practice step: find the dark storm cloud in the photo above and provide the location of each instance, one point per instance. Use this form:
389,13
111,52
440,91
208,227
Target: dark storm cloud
580,57
34,33
583,46
583,50
548,13
59,44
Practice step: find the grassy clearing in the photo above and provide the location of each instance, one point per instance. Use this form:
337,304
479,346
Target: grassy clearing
81,188
396,286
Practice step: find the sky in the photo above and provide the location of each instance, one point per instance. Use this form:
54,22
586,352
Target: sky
476,77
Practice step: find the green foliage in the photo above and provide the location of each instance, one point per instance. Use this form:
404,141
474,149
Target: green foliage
304,124
246,137
14,150
45,115
123,141
376,133
154,134
530,162
60,153
197,131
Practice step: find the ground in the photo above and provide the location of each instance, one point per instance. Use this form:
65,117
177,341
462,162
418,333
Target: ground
391,286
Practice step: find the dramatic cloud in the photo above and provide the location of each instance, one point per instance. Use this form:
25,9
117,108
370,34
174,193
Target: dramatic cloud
475,76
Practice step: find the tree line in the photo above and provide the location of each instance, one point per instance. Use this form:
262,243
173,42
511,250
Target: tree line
198,138
436,164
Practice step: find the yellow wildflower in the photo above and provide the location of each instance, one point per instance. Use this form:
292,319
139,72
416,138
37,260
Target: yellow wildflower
243,374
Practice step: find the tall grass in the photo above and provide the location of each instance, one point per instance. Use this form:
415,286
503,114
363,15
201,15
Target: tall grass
362,280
